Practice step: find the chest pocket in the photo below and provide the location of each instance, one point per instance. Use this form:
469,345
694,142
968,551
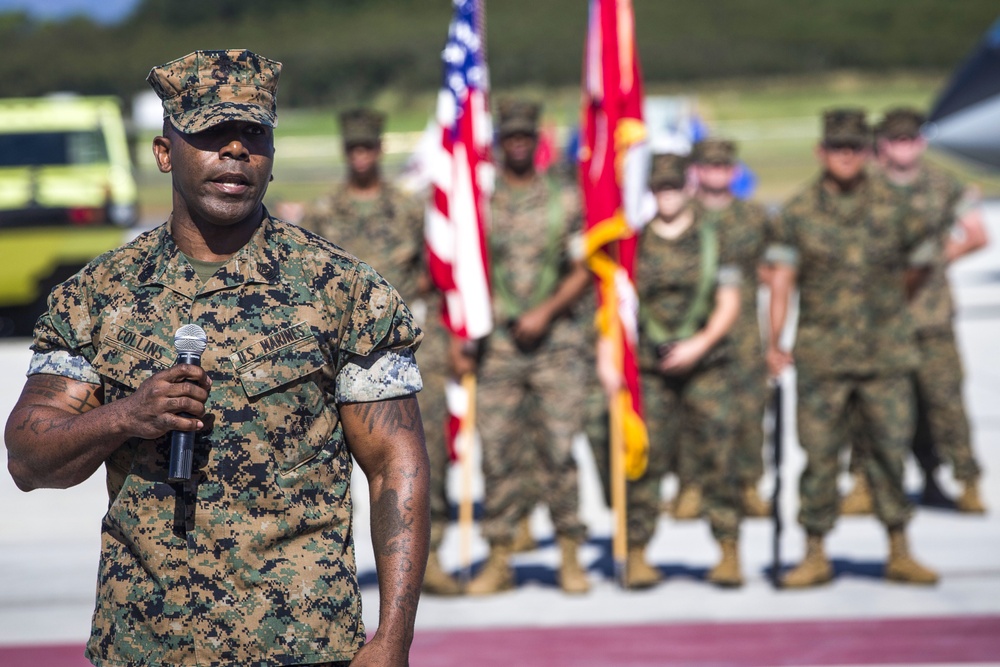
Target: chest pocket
125,359
282,376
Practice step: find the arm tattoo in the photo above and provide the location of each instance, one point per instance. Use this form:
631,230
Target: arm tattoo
49,387
57,391
389,524
391,416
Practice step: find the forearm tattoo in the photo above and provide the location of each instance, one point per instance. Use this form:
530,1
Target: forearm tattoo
389,525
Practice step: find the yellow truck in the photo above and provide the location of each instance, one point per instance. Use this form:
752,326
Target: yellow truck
67,194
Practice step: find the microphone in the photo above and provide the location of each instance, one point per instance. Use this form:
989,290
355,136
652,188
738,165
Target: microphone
189,341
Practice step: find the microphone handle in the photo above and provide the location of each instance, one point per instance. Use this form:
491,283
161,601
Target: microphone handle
182,442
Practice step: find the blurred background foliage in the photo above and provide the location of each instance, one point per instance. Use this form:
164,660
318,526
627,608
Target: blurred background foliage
759,70
340,52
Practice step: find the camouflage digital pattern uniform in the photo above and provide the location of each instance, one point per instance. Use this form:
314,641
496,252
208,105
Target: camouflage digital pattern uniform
855,341
252,561
548,384
690,417
387,233
942,424
745,226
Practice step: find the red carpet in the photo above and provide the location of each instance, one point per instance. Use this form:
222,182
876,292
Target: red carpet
919,641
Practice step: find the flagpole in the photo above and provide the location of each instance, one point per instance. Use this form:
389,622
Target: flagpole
465,506
619,504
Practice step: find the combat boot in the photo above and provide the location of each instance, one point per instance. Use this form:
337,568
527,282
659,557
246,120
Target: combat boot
859,500
753,504
814,569
970,501
638,573
688,505
901,566
523,539
496,575
572,578
727,572
437,581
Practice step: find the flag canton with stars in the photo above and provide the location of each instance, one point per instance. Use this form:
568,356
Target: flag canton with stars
463,56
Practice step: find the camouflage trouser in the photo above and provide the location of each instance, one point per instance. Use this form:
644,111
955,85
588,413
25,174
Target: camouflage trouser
748,382
432,359
519,396
690,426
942,427
883,407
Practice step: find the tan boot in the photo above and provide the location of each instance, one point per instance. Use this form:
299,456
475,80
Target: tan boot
859,500
814,569
523,539
437,581
688,504
496,575
727,572
901,566
572,578
970,501
753,504
638,573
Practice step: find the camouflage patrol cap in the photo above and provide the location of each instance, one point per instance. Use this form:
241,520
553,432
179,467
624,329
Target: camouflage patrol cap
901,123
669,172
518,116
361,126
846,126
715,151
206,88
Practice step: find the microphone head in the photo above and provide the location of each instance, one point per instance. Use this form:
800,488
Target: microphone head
190,339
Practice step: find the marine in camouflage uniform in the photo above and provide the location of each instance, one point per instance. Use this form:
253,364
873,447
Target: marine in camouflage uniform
689,300
848,245
385,226
942,424
745,224
534,366
309,360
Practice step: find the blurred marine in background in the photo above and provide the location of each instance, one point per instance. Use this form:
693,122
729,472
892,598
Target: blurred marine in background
534,366
385,227
689,296
744,224
942,431
849,246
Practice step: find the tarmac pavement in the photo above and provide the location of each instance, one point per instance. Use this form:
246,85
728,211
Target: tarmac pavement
49,542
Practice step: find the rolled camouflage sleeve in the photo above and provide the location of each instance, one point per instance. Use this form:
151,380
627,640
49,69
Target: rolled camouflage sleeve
729,275
379,376
377,360
782,247
62,343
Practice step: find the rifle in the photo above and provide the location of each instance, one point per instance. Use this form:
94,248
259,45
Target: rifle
776,428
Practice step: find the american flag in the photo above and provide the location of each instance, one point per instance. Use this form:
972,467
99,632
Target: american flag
462,178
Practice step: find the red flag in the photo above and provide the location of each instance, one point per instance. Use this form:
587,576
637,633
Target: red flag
614,162
462,178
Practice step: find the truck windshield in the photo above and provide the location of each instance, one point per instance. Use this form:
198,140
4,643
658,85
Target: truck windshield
38,149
